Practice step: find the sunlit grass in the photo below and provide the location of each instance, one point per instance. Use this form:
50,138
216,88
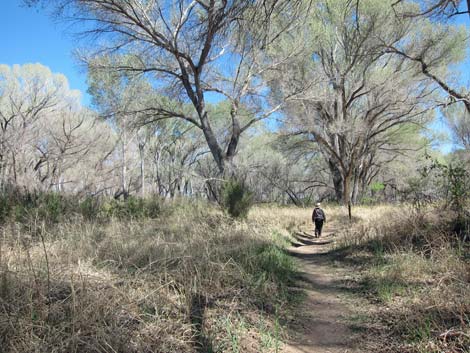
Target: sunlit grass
417,271
160,285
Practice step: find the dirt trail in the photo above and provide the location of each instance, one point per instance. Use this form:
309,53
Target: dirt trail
320,323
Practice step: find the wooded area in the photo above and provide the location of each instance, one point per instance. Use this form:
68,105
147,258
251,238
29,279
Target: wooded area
174,212
303,100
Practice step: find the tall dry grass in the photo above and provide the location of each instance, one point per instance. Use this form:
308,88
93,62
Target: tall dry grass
418,270
194,280
191,280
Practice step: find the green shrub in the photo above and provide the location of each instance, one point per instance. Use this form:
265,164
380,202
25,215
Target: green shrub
276,265
19,213
236,198
153,207
52,207
90,208
377,186
4,208
368,200
132,207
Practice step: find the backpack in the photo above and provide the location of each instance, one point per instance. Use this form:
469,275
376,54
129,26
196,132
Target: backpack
318,214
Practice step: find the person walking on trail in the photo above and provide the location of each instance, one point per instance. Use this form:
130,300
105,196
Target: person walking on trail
318,217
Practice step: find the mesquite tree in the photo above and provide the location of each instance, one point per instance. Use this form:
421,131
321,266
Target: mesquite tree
442,12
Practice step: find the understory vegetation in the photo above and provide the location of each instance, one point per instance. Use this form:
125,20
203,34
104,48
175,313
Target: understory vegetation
182,276
188,280
414,270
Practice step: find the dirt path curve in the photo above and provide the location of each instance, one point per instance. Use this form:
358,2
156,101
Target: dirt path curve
320,323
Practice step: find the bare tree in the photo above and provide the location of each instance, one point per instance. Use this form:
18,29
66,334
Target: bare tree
49,142
182,46
29,94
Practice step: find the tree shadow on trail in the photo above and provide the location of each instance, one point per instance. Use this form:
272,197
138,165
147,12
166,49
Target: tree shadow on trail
303,240
347,258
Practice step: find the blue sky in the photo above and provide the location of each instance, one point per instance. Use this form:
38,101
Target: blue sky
29,35
439,126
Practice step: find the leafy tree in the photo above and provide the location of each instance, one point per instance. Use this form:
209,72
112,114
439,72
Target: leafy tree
458,119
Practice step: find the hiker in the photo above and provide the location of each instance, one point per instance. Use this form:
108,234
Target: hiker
318,217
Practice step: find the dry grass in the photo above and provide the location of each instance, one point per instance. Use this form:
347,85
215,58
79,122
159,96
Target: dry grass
191,280
194,280
418,274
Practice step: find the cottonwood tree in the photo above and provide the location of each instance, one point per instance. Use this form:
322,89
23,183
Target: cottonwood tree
126,100
359,93
90,172
176,152
28,94
300,171
120,98
191,49
392,167
428,58
46,137
458,120
66,139
456,108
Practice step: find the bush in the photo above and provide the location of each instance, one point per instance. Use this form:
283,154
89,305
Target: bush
52,206
236,198
90,208
132,207
23,207
4,208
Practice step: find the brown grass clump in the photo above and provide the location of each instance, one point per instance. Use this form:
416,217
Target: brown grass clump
417,272
191,280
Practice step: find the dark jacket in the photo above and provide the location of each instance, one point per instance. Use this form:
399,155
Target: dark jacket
318,215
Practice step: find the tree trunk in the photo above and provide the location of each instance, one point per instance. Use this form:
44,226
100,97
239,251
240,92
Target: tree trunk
124,167
236,131
2,172
356,192
142,170
337,180
14,168
213,144
347,194
294,198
